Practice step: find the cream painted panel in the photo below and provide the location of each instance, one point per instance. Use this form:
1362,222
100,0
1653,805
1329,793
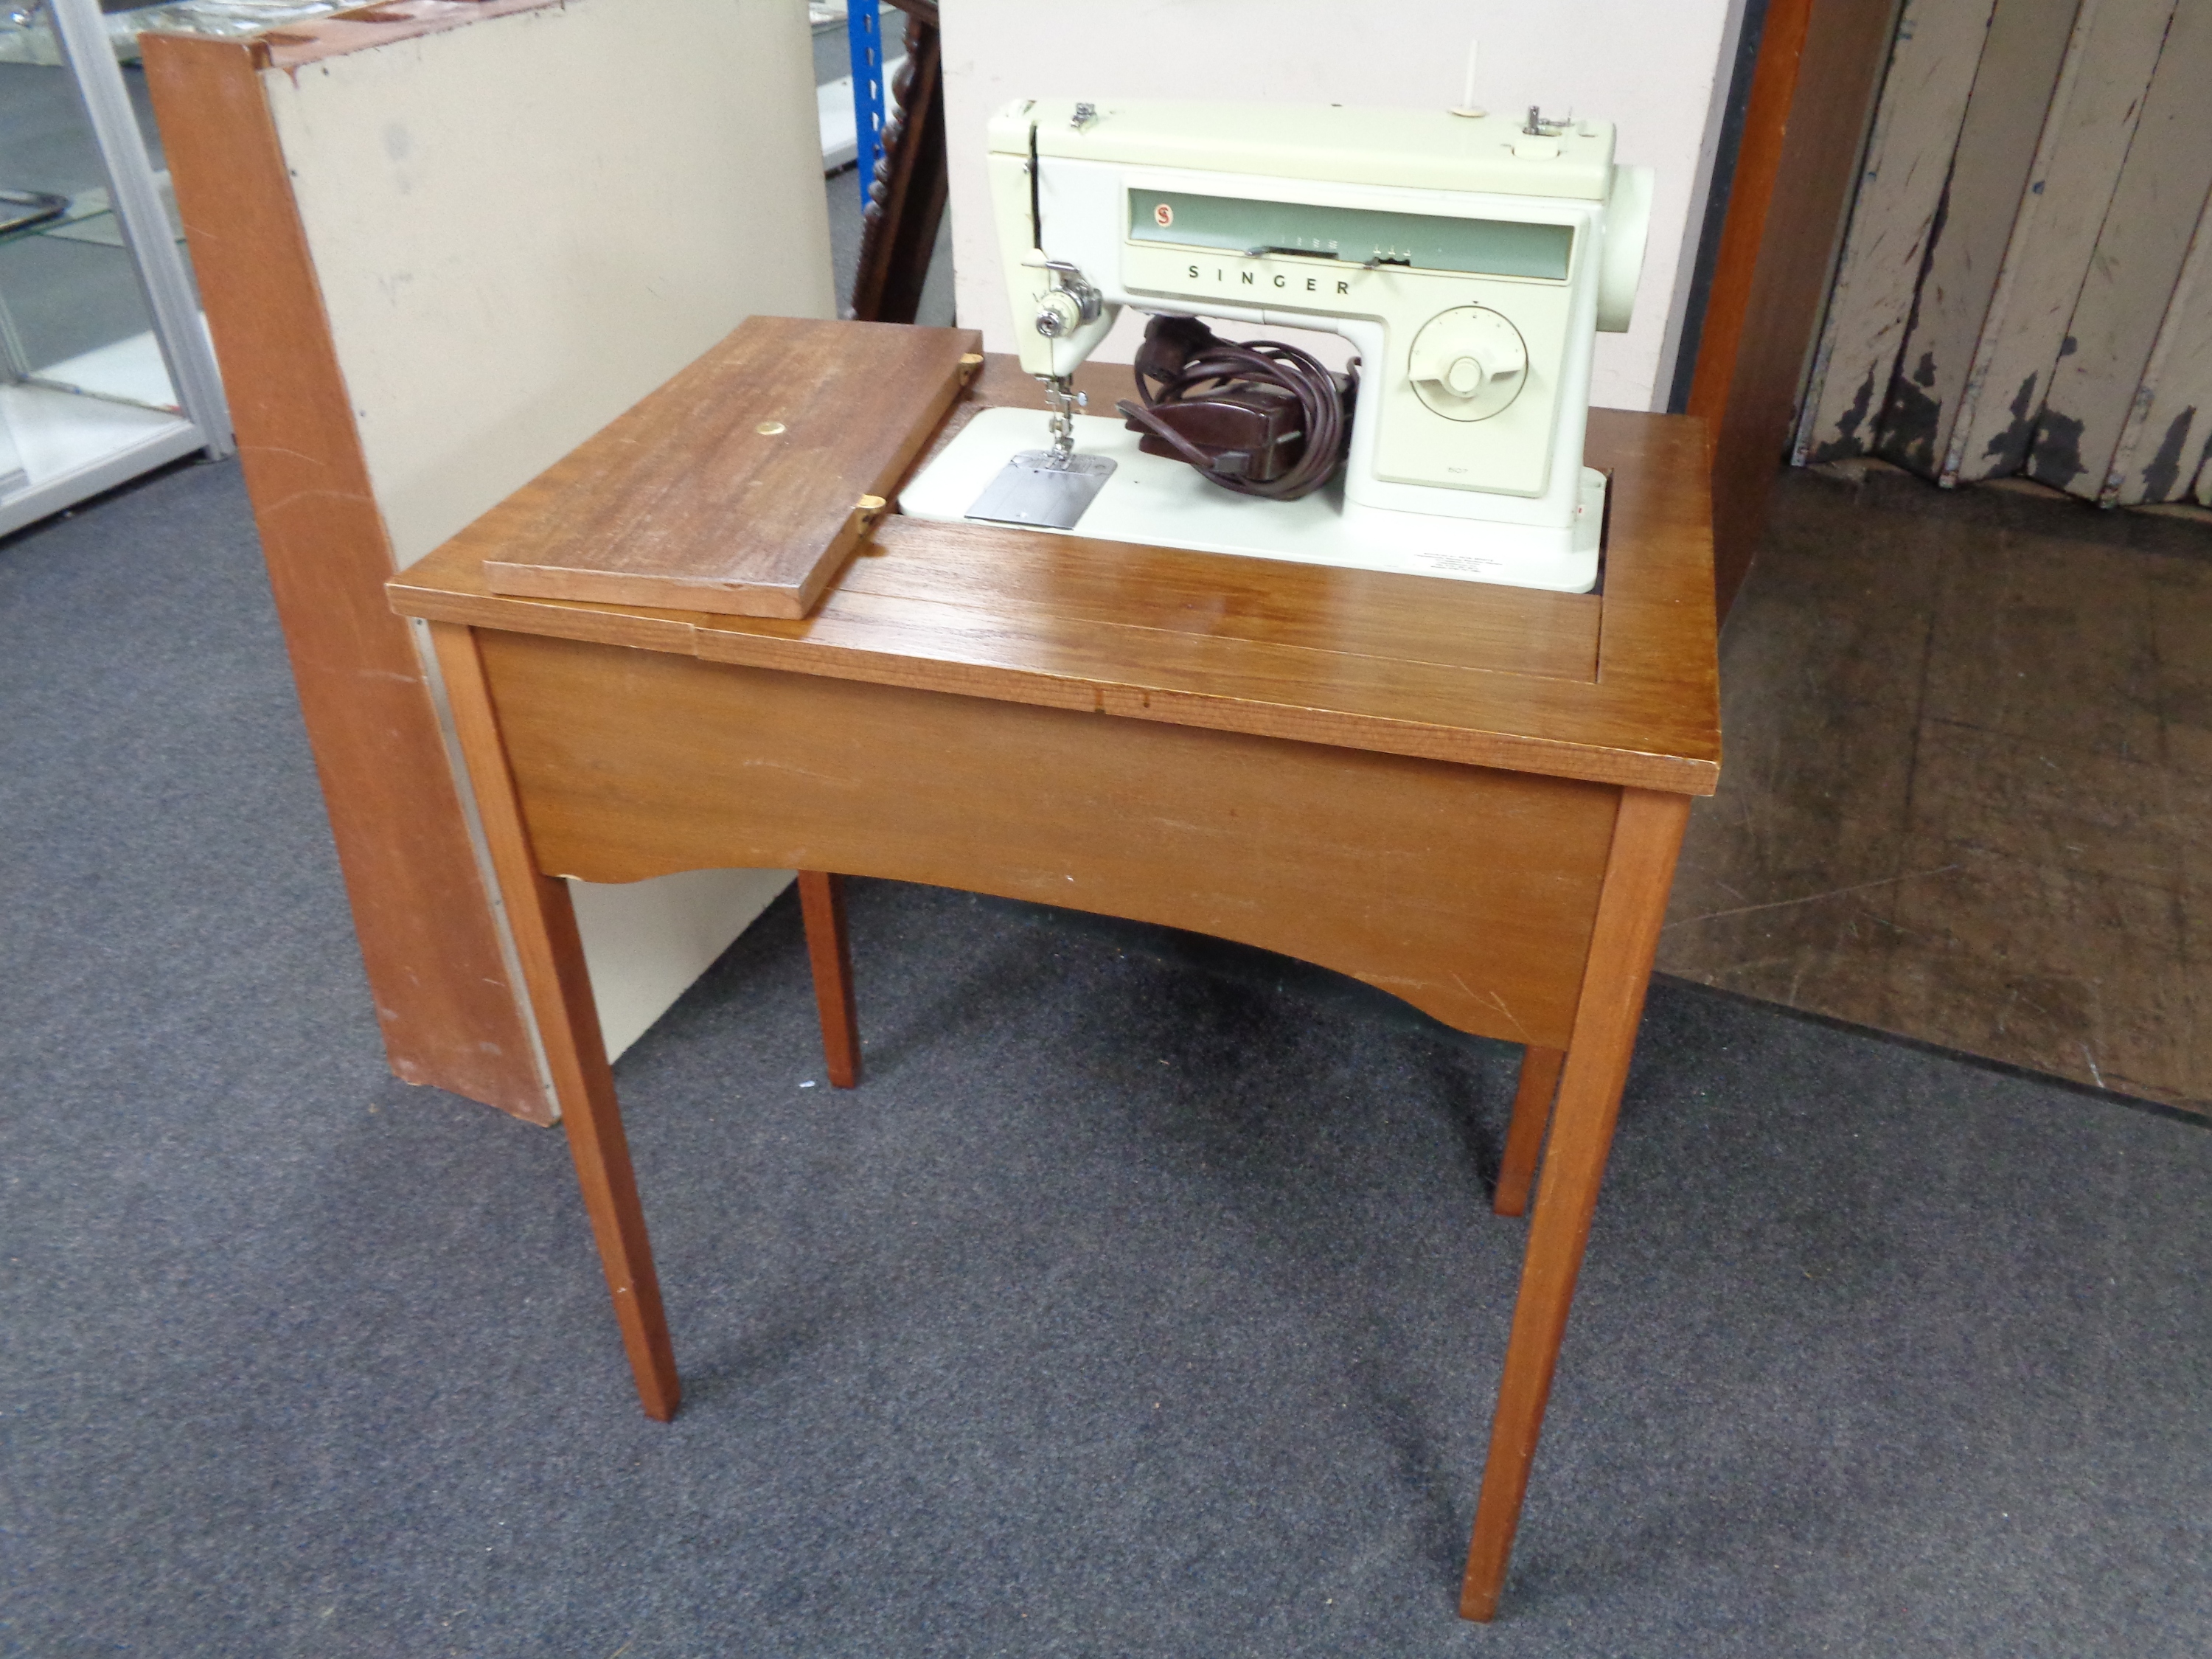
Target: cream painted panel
1916,129
648,941
1658,72
522,227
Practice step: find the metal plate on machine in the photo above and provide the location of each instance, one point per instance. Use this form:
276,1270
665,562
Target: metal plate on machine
1040,489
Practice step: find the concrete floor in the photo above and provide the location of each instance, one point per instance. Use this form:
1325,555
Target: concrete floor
1967,795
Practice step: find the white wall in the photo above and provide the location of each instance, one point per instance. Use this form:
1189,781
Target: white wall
1657,68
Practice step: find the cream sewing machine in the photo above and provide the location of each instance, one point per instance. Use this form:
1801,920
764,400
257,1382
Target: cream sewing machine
1467,259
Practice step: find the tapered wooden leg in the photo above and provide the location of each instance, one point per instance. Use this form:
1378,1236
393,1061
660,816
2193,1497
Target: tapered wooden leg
1524,1136
545,926
1646,837
822,903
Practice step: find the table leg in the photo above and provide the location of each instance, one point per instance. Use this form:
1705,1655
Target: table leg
1646,838
822,903
544,921
1524,1136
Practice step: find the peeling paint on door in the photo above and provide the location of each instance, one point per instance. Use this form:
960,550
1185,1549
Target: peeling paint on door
1916,129
2018,70
2175,383
2163,471
2135,277
2085,137
2027,279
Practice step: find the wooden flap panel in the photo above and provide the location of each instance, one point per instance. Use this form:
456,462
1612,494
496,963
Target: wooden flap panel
743,485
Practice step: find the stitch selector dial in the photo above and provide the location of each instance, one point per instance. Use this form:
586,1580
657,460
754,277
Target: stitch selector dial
1468,364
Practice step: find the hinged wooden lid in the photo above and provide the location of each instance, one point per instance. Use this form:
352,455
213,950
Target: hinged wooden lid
743,485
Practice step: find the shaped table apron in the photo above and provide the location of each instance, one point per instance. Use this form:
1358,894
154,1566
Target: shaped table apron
1469,892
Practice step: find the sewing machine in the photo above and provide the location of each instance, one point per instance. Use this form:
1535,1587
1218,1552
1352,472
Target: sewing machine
1466,257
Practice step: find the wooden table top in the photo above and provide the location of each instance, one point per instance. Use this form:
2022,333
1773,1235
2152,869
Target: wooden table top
1619,687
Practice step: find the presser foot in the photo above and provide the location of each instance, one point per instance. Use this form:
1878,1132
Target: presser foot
1049,488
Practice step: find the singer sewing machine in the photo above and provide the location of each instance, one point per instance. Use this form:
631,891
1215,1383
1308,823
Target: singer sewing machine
1467,259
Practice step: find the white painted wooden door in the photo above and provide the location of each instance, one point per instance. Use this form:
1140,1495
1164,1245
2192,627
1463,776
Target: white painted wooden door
2026,281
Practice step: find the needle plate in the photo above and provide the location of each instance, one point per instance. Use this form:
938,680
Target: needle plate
1040,490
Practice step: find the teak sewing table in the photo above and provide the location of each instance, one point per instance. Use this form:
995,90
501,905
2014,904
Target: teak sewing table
1469,796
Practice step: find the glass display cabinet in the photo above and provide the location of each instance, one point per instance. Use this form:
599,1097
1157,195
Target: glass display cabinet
105,367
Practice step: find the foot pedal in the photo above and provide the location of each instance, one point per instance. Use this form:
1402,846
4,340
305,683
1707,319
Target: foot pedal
1040,488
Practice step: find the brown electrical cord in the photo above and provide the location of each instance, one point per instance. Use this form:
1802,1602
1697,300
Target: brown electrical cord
1200,389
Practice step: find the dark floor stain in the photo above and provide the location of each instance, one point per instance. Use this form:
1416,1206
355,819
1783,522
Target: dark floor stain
1924,375
2188,705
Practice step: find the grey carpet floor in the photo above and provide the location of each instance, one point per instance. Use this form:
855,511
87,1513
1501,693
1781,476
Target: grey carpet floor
1145,1300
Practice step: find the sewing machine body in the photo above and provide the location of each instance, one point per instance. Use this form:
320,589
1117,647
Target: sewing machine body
1468,262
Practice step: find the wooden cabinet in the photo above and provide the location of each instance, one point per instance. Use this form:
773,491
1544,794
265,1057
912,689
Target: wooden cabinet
438,251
